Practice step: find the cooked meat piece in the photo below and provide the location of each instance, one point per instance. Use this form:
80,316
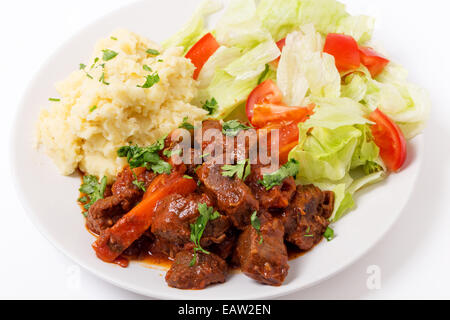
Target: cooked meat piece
208,269
224,249
207,136
174,215
276,198
139,248
306,219
263,255
106,212
233,196
125,178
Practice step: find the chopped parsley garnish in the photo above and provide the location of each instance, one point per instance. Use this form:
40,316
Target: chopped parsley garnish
147,157
54,99
211,106
92,108
114,38
276,178
256,224
83,67
153,52
307,234
102,79
109,54
241,170
137,183
147,68
151,80
264,74
329,234
186,125
233,127
169,153
197,228
187,177
93,189
95,61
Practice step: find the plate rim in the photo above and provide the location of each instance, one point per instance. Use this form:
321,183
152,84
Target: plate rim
13,153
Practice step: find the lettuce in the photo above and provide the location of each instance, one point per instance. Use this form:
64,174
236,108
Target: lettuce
304,69
359,27
325,15
406,104
336,151
279,17
219,60
228,92
253,63
195,28
333,113
240,27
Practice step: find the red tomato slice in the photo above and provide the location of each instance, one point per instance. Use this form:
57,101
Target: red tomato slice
373,60
201,51
344,49
390,139
288,138
271,113
280,45
265,93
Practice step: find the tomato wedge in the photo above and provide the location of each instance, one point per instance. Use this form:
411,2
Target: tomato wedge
345,51
390,139
202,51
265,93
280,45
288,138
271,113
373,60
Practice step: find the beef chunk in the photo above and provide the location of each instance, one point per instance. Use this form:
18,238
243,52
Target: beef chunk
276,198
106,212
174,215
233,196
306,219
263,255
208,269
125,178
208,141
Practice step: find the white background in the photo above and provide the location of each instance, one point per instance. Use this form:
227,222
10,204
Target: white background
413,258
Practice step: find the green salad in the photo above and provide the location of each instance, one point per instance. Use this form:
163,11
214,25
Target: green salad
310,67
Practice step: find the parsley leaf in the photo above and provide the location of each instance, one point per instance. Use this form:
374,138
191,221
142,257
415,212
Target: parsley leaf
92,108
82,66
329,234
147,68
186,125
241,170
93,189
147,157
153,52
113,38
54,99
233,127
276,178
211,106
206,214
256,224
109,54
151,80
139,184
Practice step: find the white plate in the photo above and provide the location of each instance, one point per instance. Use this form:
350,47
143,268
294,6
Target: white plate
50,199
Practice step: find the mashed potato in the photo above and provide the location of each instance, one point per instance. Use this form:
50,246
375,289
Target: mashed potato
98,114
